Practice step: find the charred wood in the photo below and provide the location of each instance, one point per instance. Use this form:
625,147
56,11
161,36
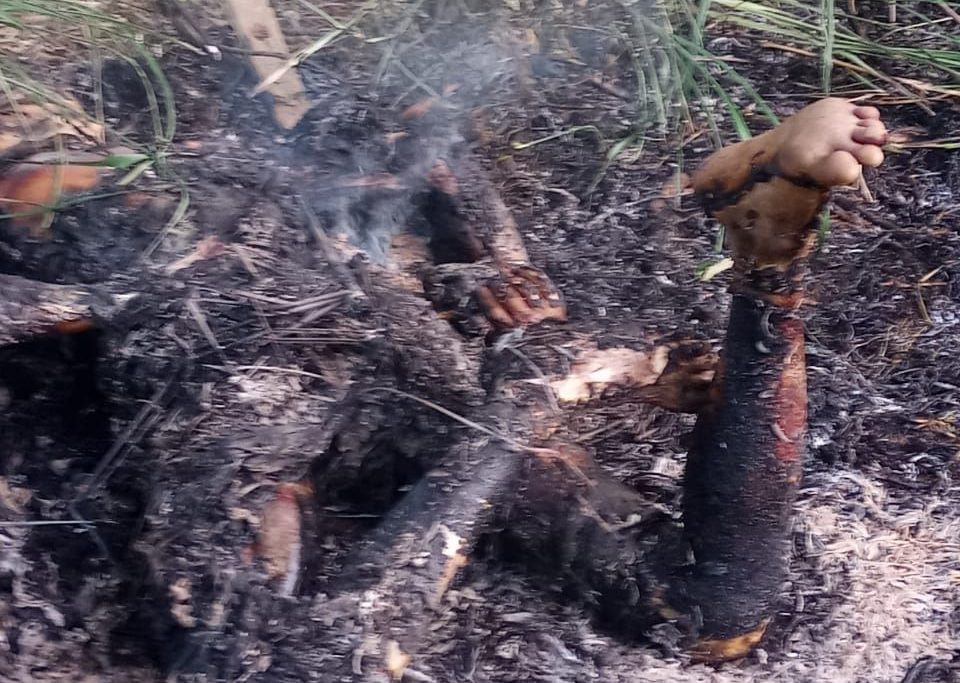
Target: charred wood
403,569
29,307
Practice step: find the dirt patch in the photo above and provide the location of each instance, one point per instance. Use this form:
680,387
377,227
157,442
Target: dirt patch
160,439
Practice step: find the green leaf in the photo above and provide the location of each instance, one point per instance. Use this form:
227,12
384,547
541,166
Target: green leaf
136,172
123,161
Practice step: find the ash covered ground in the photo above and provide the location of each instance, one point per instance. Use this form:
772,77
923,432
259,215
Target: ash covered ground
172,430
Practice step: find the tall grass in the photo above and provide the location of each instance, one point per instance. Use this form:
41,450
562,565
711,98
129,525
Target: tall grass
916,59
83,33
79,32
863,50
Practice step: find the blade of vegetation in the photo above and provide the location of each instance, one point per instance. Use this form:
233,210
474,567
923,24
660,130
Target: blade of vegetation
828,22
85,29
682,32
88,28
791,20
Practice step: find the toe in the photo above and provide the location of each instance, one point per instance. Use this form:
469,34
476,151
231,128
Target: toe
869,155
870,132
840,168
864,112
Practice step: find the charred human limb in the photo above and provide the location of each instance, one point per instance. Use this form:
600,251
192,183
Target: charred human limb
402,571
469,222
576,525
590,534
745,461
768,189
613,548
741,478
603,540
586,530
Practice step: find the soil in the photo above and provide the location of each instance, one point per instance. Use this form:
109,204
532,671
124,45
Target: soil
159,439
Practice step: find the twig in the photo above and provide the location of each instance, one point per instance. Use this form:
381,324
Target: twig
489,431
416,79
897,82
141,423
201,321
609,88
547,389
949,11
328,251
56,522
391,47
272,368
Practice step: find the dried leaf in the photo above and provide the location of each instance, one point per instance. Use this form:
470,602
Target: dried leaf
396,136
385,180
675,186
12,497
596,370
180,608
206,248
418,109
396,660
23,122
899,136
715,269
137,200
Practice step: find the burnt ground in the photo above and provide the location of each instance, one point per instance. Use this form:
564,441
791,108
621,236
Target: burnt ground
169,430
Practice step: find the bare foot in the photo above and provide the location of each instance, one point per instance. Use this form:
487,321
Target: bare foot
768,190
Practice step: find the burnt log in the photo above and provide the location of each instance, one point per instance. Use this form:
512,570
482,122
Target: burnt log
400,574
29,307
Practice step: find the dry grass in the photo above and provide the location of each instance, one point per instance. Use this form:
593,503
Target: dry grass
894,569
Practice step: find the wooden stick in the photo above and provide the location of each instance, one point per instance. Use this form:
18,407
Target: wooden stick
257,24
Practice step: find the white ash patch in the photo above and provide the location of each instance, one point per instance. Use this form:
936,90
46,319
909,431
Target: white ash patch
883,575
277,397
894,568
